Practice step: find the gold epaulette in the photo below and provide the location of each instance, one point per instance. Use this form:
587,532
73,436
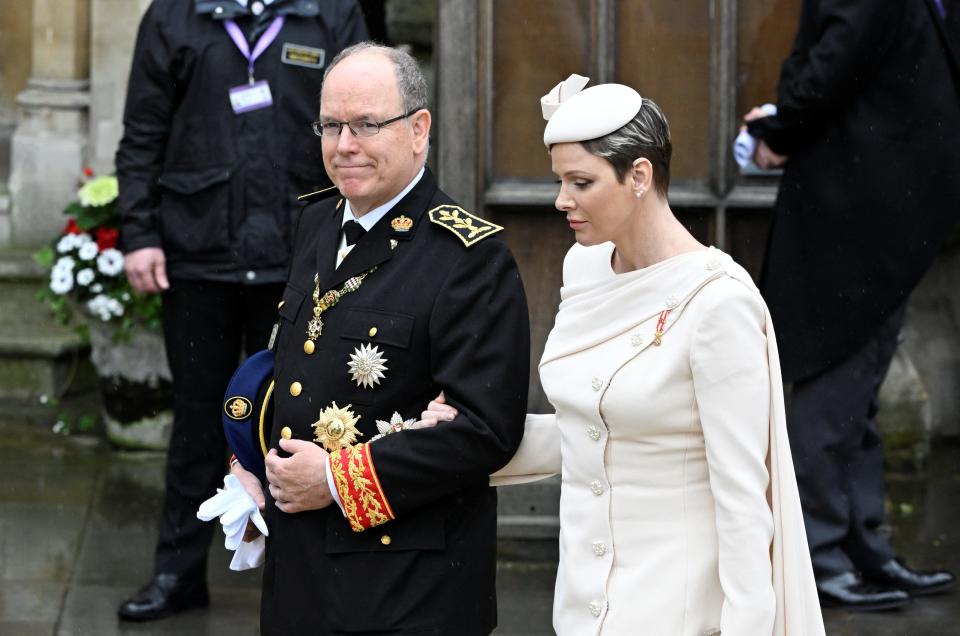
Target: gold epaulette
469,228
319,194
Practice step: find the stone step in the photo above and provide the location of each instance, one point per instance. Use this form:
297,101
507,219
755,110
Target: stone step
39,359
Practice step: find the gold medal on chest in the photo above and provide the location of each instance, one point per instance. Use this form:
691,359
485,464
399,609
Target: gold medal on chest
336,428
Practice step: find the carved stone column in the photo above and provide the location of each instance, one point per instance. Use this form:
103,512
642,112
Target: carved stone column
49,144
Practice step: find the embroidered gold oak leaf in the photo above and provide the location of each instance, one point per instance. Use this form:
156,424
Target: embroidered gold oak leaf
462,223
368,498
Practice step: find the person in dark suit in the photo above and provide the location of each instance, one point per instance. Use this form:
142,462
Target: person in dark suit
867,126
395,293
210,164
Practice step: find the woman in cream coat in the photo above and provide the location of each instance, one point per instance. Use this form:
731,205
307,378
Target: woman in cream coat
679,512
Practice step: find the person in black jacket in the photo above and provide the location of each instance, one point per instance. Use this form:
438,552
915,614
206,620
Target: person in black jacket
216,148
869,116
395,293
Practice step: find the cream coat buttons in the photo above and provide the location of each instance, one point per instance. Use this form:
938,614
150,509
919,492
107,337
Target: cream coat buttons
672,301
596,608
309,347
596,383
596,487
594,433
295,389
636,340
599,548
286,433
372,332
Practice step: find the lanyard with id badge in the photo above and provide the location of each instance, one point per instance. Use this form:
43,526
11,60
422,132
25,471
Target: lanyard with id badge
252,95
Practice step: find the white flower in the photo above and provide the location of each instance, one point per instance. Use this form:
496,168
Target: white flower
82,239
99,306
61,281
96,288
115,307
66,243
85,276
125,297
65,262
88,251
110,262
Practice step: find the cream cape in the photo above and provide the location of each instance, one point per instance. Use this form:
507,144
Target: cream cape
598,308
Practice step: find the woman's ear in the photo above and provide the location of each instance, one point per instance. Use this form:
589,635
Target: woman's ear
641,175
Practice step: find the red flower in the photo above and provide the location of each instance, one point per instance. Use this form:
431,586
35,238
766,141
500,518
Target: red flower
72,227
106,237
88,172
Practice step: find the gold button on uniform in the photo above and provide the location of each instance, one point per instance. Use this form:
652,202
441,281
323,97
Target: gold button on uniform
308,347
385,539
281,304
372,332
286,433
295,389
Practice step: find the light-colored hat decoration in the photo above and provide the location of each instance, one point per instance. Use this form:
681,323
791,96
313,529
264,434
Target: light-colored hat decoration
575,114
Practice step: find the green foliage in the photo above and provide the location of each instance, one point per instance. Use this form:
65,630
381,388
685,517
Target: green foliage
86,269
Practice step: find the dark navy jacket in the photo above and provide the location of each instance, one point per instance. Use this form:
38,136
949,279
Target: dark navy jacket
214,189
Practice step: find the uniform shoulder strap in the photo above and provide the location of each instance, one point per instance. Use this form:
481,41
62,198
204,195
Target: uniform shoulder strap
469,228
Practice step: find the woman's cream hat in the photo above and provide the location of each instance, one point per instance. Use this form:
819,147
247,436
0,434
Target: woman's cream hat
575,114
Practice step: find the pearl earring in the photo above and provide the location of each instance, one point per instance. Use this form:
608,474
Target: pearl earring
638,193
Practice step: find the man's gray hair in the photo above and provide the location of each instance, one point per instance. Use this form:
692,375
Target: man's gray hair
410,79
647,135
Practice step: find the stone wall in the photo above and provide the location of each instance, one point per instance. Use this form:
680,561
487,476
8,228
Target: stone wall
114,26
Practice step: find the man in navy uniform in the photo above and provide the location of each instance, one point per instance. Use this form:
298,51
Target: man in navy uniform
395,293
211,161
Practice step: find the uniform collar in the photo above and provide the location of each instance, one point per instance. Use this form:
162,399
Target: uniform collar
396,225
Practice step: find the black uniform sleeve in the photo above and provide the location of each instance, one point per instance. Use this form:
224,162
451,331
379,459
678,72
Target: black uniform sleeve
479,356
821,78
146,120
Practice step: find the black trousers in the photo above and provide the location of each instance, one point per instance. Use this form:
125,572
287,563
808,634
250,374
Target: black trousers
206,326
838,457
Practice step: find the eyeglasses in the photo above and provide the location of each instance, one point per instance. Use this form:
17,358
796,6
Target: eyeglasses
360,128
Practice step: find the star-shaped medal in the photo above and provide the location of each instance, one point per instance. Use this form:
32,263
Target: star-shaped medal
336,428
367,365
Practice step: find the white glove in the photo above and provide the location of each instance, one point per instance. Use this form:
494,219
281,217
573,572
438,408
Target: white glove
745,145
235,507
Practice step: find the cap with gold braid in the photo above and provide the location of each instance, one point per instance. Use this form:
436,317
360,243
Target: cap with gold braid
246,411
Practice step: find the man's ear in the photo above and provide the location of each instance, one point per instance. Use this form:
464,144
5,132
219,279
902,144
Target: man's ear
420,124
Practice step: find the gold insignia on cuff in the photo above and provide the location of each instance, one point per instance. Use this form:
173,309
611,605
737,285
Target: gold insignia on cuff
237,408
336,428
469,228
401,223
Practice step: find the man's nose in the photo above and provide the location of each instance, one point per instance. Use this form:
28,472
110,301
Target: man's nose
346,140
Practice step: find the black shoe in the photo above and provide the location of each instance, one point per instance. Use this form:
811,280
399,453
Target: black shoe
164,595
894,574
850,592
